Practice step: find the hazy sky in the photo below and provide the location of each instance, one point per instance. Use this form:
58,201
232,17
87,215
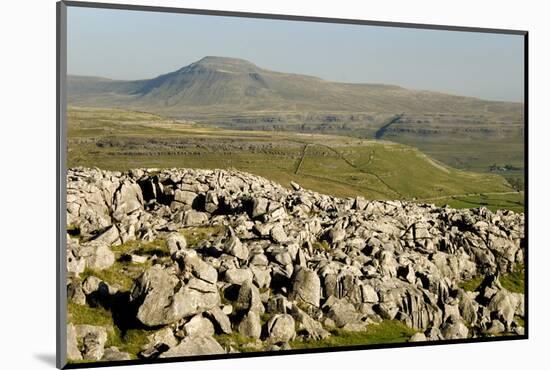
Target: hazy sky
124,44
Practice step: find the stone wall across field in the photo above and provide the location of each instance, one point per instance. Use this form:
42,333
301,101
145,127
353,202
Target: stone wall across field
312,262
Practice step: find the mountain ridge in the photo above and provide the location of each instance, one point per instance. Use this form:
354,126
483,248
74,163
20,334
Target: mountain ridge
214,70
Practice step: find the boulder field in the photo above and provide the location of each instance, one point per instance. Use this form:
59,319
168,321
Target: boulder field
288,265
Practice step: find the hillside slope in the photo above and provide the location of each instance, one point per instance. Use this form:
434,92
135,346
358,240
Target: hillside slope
336,165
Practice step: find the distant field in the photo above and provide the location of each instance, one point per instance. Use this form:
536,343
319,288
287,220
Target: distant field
478,155
338,165
472,145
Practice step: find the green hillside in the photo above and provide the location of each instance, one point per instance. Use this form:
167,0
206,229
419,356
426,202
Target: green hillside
342,166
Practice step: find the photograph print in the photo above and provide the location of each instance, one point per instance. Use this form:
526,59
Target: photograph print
240,185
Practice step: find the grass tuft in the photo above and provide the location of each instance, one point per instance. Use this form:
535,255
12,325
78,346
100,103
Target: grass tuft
389,331
194,235
513,282
237,341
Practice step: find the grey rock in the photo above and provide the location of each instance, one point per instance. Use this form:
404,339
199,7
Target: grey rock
195,346
220,319
503,304
111,236
295,186
238,276
433,333
369,294
158,342
343,312
127,200
98,256
114,354
495,328
250,326
73,353
185,197
313,328
75,264
418,337
281,328
199,268
75,294
176,242
261,276
249,298
93,284
360,203
306,287
199,325
454,329
234,247
155,288
195,297
259,207
386,259
278,234
93,341
194,218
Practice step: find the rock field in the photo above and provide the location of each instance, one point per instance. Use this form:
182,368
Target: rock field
289,264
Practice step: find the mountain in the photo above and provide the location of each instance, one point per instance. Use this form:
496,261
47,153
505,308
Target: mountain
219,81
236,92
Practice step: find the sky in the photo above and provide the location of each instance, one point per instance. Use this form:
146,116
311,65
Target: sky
129,45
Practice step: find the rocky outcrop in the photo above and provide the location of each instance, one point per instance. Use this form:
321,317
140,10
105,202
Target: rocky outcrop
288,264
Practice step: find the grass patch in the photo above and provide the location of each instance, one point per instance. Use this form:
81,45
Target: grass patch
513,282
85,315
237,341
321,246
265,317
519,320
131,341
389,331
472,284
120,275
513,202
156,247
123,273
194,235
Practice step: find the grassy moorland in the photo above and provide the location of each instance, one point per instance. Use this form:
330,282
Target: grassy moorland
343,166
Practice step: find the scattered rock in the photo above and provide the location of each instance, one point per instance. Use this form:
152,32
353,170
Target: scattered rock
234,247
238,276
195,346
98,256
249,298
199,325
280,328
418,337
220,320
306,287
176,242
194,218
313,262
73,353
114,354
250,326
93,341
